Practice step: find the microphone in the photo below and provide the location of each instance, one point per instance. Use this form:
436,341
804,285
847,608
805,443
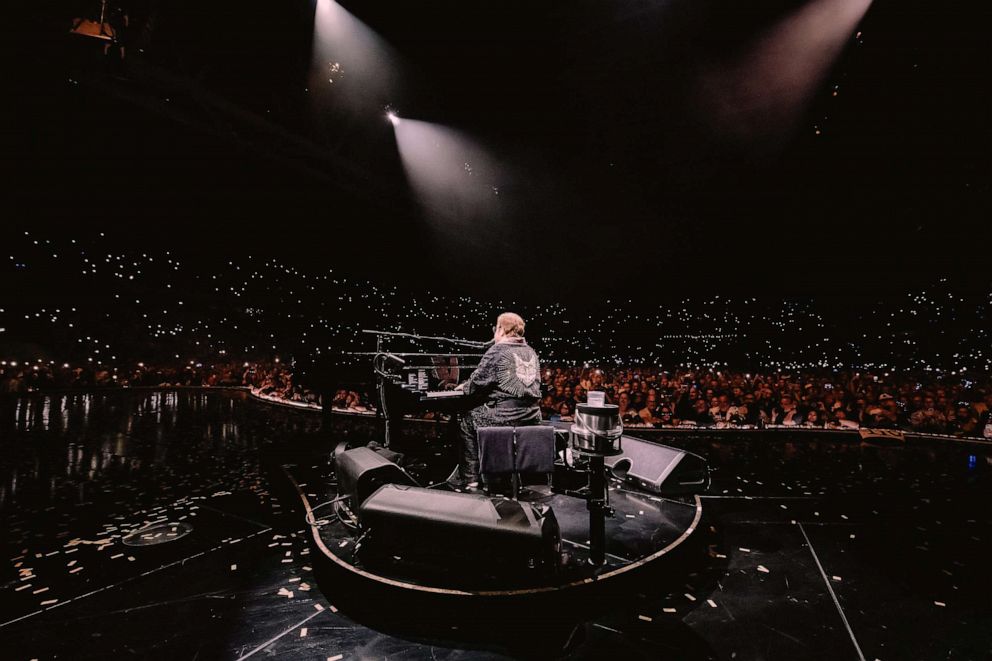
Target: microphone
396,358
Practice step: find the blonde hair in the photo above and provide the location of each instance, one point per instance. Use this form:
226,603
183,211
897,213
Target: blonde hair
511,323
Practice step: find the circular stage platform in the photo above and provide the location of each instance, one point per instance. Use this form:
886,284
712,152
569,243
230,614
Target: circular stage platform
647,538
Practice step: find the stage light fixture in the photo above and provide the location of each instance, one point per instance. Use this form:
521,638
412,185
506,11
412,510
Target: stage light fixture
96,28
393,118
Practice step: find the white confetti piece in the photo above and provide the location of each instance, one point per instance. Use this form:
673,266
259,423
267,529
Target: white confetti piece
336,657
689,597
712,604
763,569
318,607
303,632
743,550
836,578
48,602
939,603
645,618
234,567
669,610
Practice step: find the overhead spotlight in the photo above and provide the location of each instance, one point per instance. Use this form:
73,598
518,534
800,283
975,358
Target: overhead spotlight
393,117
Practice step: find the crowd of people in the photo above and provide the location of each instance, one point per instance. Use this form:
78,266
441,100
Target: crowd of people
269,379
648,397
24,377
651,397
910,359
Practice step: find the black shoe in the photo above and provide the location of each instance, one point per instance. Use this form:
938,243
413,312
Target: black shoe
468,486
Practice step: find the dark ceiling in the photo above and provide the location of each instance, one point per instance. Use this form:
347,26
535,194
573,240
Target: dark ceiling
213,140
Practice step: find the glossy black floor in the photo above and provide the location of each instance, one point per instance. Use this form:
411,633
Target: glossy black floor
818,549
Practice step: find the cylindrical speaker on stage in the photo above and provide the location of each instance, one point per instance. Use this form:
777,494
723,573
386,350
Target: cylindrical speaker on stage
361,471
441,528
597,429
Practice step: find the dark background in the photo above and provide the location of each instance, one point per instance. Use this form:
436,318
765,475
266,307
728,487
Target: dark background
210,142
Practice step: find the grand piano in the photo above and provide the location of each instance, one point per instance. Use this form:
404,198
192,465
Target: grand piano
416,382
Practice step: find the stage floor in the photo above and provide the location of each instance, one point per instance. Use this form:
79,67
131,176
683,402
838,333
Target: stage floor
816,549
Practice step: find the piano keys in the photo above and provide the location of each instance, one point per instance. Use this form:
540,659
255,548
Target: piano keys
421,381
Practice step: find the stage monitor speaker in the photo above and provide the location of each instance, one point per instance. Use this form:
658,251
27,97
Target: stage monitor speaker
361,471
445,528
659,468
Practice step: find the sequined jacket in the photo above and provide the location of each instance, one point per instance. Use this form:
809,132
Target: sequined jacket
508,382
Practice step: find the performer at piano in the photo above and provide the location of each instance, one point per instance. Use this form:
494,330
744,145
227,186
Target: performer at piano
507,382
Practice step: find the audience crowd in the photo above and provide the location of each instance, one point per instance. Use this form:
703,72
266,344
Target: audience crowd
650,397
87,316
647,397
266,379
